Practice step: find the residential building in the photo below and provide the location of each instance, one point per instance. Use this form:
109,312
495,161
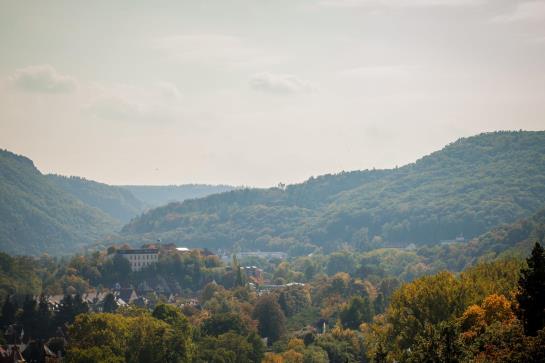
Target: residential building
140,258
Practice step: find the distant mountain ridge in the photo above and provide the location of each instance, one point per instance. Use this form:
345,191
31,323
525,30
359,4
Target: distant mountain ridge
117,202
157,195
60,215
36,216
468,187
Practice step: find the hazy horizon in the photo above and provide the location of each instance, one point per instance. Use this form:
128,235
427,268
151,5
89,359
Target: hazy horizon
256,92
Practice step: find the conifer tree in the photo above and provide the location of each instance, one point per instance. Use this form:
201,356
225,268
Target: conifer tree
531,297
9,309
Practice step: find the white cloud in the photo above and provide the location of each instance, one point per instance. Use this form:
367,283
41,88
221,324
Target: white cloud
280,83
43,79
528,10
115,107
160,102
398,3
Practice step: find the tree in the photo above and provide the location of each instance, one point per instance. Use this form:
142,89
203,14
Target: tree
181,344
93,337
436,343
221,323
229,347
109,305
69,308
271,319
9,309
116,338
43,327
294,299
29,317
531,296
356,312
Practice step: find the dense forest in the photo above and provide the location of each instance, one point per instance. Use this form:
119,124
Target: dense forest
467,188
60,215
491,312
36,216
117,202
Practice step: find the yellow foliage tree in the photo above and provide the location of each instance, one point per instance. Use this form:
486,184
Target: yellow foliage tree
272,358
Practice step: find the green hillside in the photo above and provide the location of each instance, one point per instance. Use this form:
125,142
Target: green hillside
117,202
158,195
514,239
468,187
36,216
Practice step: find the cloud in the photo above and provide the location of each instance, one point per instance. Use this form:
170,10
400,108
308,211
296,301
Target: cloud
42,79
280,83
159,102
398,3
115,107
524,11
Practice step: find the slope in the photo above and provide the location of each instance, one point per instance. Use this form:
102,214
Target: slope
37,217
468,187
119,203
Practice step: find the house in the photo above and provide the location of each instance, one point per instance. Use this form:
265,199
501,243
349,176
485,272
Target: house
127,295
37,351
140,258
11,354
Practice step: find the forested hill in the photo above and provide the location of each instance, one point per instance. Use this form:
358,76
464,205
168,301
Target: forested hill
158,195
117,202
468,187
36,216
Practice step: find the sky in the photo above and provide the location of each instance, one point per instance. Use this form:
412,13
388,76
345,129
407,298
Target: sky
261,92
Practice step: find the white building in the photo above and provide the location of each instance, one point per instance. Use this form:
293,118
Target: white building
140,258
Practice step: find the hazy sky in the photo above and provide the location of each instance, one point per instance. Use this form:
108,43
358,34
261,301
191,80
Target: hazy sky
257,92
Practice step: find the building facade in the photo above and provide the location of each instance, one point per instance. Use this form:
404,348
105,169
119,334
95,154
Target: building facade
140,258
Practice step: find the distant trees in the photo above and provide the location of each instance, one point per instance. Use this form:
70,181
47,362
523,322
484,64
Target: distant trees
531,295
455,190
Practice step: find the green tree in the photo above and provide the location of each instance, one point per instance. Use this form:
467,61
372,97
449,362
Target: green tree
294,299
43,326
132,339
227,348
531,296
271,319
356,312
181,347
29,317
109,305
221,323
